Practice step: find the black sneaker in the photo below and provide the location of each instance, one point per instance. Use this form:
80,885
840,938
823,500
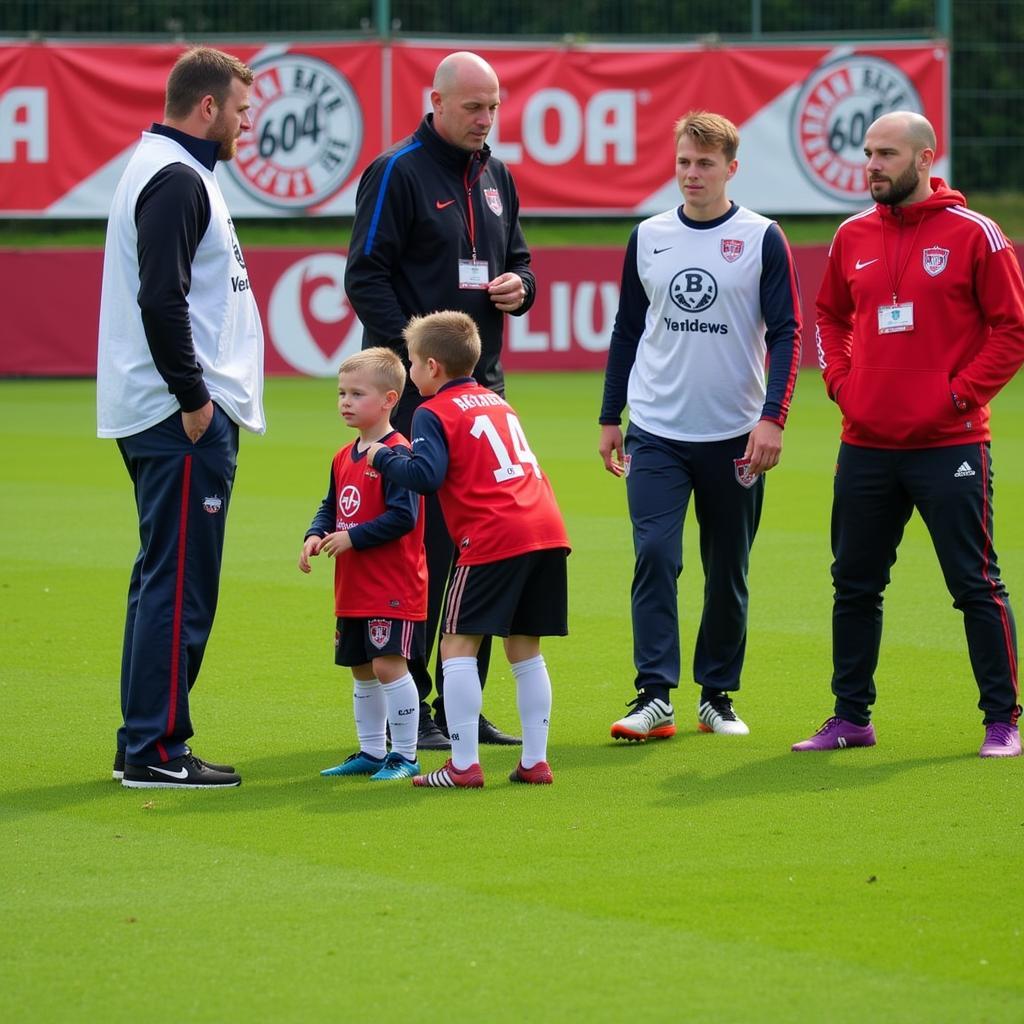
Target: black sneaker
117,774
491,734
430,736
185,772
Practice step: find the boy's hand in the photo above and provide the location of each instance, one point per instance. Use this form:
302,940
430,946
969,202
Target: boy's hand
371,452
309,550
335,544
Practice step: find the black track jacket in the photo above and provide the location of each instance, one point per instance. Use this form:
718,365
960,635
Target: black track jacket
420,207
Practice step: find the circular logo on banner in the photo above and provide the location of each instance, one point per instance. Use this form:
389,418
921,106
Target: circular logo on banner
311,324
831,117
306,135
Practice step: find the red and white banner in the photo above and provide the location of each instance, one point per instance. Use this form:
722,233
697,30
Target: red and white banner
309,325
585,130
70,117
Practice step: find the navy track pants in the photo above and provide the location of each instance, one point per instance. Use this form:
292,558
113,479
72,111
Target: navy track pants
661,476
182,493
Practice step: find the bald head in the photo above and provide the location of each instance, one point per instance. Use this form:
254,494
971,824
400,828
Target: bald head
464,100
915,129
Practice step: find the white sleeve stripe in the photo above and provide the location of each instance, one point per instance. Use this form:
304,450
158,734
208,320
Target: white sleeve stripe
996,238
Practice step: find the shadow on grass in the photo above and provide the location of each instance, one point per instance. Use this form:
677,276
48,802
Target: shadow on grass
794,773
293,778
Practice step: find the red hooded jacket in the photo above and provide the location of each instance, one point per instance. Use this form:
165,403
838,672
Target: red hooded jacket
929,386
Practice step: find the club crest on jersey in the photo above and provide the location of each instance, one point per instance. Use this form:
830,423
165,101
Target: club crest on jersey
349,501
732,249
934,260
743,475
493,201
380,632
213,504
693,290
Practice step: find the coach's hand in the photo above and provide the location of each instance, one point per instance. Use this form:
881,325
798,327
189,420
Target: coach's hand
610,449
195,424
764,447
507,292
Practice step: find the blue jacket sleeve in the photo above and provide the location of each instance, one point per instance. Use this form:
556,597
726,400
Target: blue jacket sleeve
780,307
384,216
626,334
402,509
424,469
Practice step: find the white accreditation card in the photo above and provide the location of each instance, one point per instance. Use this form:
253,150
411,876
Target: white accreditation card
896,319
473,274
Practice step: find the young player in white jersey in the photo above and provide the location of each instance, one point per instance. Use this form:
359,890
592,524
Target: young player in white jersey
709,293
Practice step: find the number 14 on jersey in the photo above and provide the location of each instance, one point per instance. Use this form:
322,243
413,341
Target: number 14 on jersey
484,427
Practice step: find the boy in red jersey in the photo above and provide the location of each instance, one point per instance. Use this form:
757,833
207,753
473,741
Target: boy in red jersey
510,577
373,529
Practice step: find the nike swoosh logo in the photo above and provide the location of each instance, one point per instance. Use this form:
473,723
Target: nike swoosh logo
180,774
861,264
440,205
666,249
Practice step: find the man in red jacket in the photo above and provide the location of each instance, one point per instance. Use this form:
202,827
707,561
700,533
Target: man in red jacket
920,324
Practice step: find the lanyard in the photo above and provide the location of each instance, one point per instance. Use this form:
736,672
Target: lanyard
895,283
469,183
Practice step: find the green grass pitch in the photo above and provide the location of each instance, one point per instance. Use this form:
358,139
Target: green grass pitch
703,878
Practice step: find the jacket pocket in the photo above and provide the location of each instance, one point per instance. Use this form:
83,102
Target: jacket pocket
896,408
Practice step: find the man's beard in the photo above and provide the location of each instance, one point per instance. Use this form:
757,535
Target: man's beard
227,145
899,189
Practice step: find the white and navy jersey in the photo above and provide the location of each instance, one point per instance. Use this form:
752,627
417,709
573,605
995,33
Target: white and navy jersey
178,321
701,306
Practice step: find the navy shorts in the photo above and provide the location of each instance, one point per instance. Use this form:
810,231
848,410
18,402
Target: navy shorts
522,596
359,641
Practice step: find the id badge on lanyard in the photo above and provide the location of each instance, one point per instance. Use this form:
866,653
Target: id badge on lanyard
474,274
896,319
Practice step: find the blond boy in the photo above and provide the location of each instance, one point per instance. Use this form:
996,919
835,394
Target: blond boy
373,529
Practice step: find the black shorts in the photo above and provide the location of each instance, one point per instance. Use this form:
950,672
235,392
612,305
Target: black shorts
521,596
359,641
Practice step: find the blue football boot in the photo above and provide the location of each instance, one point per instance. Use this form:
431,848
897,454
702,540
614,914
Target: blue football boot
396,767
357,764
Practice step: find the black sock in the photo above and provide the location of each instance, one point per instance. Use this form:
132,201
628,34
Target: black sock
661,692
708,694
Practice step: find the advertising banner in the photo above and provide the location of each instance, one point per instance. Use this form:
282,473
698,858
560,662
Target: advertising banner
70,117
308,322
590,130
585,131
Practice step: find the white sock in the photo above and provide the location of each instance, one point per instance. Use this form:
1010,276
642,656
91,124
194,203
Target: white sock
403,704
371,714
533,698
463,699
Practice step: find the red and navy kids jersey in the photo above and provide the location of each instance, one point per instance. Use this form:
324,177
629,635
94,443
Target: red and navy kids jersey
470,447
385,572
